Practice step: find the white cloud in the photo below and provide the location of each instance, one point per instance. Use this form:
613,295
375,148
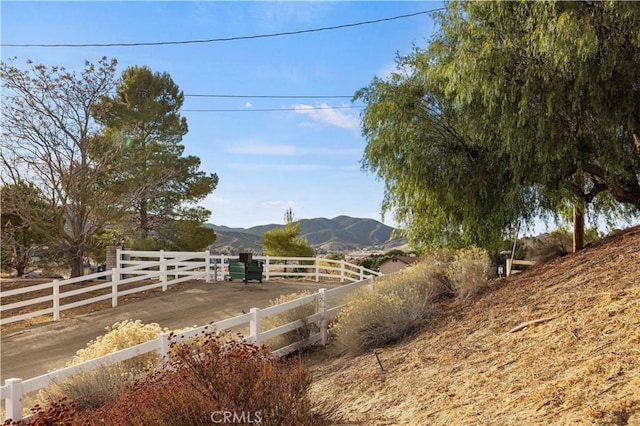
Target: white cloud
248,105
325,114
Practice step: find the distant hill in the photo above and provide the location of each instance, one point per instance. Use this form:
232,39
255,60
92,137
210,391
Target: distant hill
342,233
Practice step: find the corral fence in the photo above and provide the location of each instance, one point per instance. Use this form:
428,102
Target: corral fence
138,271
515,266
171,268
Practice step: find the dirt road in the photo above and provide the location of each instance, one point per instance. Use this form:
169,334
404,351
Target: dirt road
36,350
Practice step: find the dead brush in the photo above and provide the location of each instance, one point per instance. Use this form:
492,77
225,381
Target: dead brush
397,304
223,376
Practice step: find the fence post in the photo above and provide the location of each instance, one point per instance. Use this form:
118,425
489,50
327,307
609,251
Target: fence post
342,271
163,270
509,266
267,268
215,268
207,266
370,285
361,272
322,309
115,281
317,269
254,326
13,404
222,267
56,300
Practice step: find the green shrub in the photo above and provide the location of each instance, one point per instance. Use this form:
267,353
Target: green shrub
286,317
397,304
468,272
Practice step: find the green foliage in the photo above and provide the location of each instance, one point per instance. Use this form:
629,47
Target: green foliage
336,256
145,112
509,113
20,236
285,241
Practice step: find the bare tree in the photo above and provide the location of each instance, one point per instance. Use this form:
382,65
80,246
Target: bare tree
50,140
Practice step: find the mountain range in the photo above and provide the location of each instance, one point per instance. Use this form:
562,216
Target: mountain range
340,234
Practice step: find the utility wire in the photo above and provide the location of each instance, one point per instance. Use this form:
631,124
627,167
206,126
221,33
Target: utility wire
217,40
272,96
269,109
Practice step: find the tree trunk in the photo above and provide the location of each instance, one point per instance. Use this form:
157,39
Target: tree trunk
144,218
578,230
77,267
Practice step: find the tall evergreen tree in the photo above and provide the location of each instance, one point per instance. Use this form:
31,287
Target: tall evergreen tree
145,111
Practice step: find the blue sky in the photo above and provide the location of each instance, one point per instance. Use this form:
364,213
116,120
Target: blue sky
267,161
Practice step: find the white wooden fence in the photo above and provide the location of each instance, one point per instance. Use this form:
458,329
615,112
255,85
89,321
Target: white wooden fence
160,269
512,265
13,390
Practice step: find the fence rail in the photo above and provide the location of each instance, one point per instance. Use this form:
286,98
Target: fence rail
512,265
13,390
160,269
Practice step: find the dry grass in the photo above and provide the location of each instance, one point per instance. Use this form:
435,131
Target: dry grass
581,365
94,388
286,317
399,303
208,380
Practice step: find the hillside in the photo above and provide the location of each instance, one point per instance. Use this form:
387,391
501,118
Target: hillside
342,233
477,362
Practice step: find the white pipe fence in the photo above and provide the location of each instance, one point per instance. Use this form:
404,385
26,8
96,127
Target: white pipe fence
15,388
148,270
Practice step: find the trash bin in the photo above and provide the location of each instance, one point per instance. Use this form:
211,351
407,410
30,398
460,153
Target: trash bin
253,271
245,268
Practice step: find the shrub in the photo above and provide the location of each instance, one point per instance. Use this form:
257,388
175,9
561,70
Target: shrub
397,303
209,377
291,315
468,272
101,385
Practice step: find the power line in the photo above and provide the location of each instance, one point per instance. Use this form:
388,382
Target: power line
270,109
272,96
217,40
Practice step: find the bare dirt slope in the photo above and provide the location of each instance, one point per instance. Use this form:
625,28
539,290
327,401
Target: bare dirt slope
475,362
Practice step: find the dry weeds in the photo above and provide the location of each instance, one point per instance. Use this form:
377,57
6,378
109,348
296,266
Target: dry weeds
572,356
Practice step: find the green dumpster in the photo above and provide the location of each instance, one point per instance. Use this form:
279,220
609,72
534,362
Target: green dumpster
245,271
